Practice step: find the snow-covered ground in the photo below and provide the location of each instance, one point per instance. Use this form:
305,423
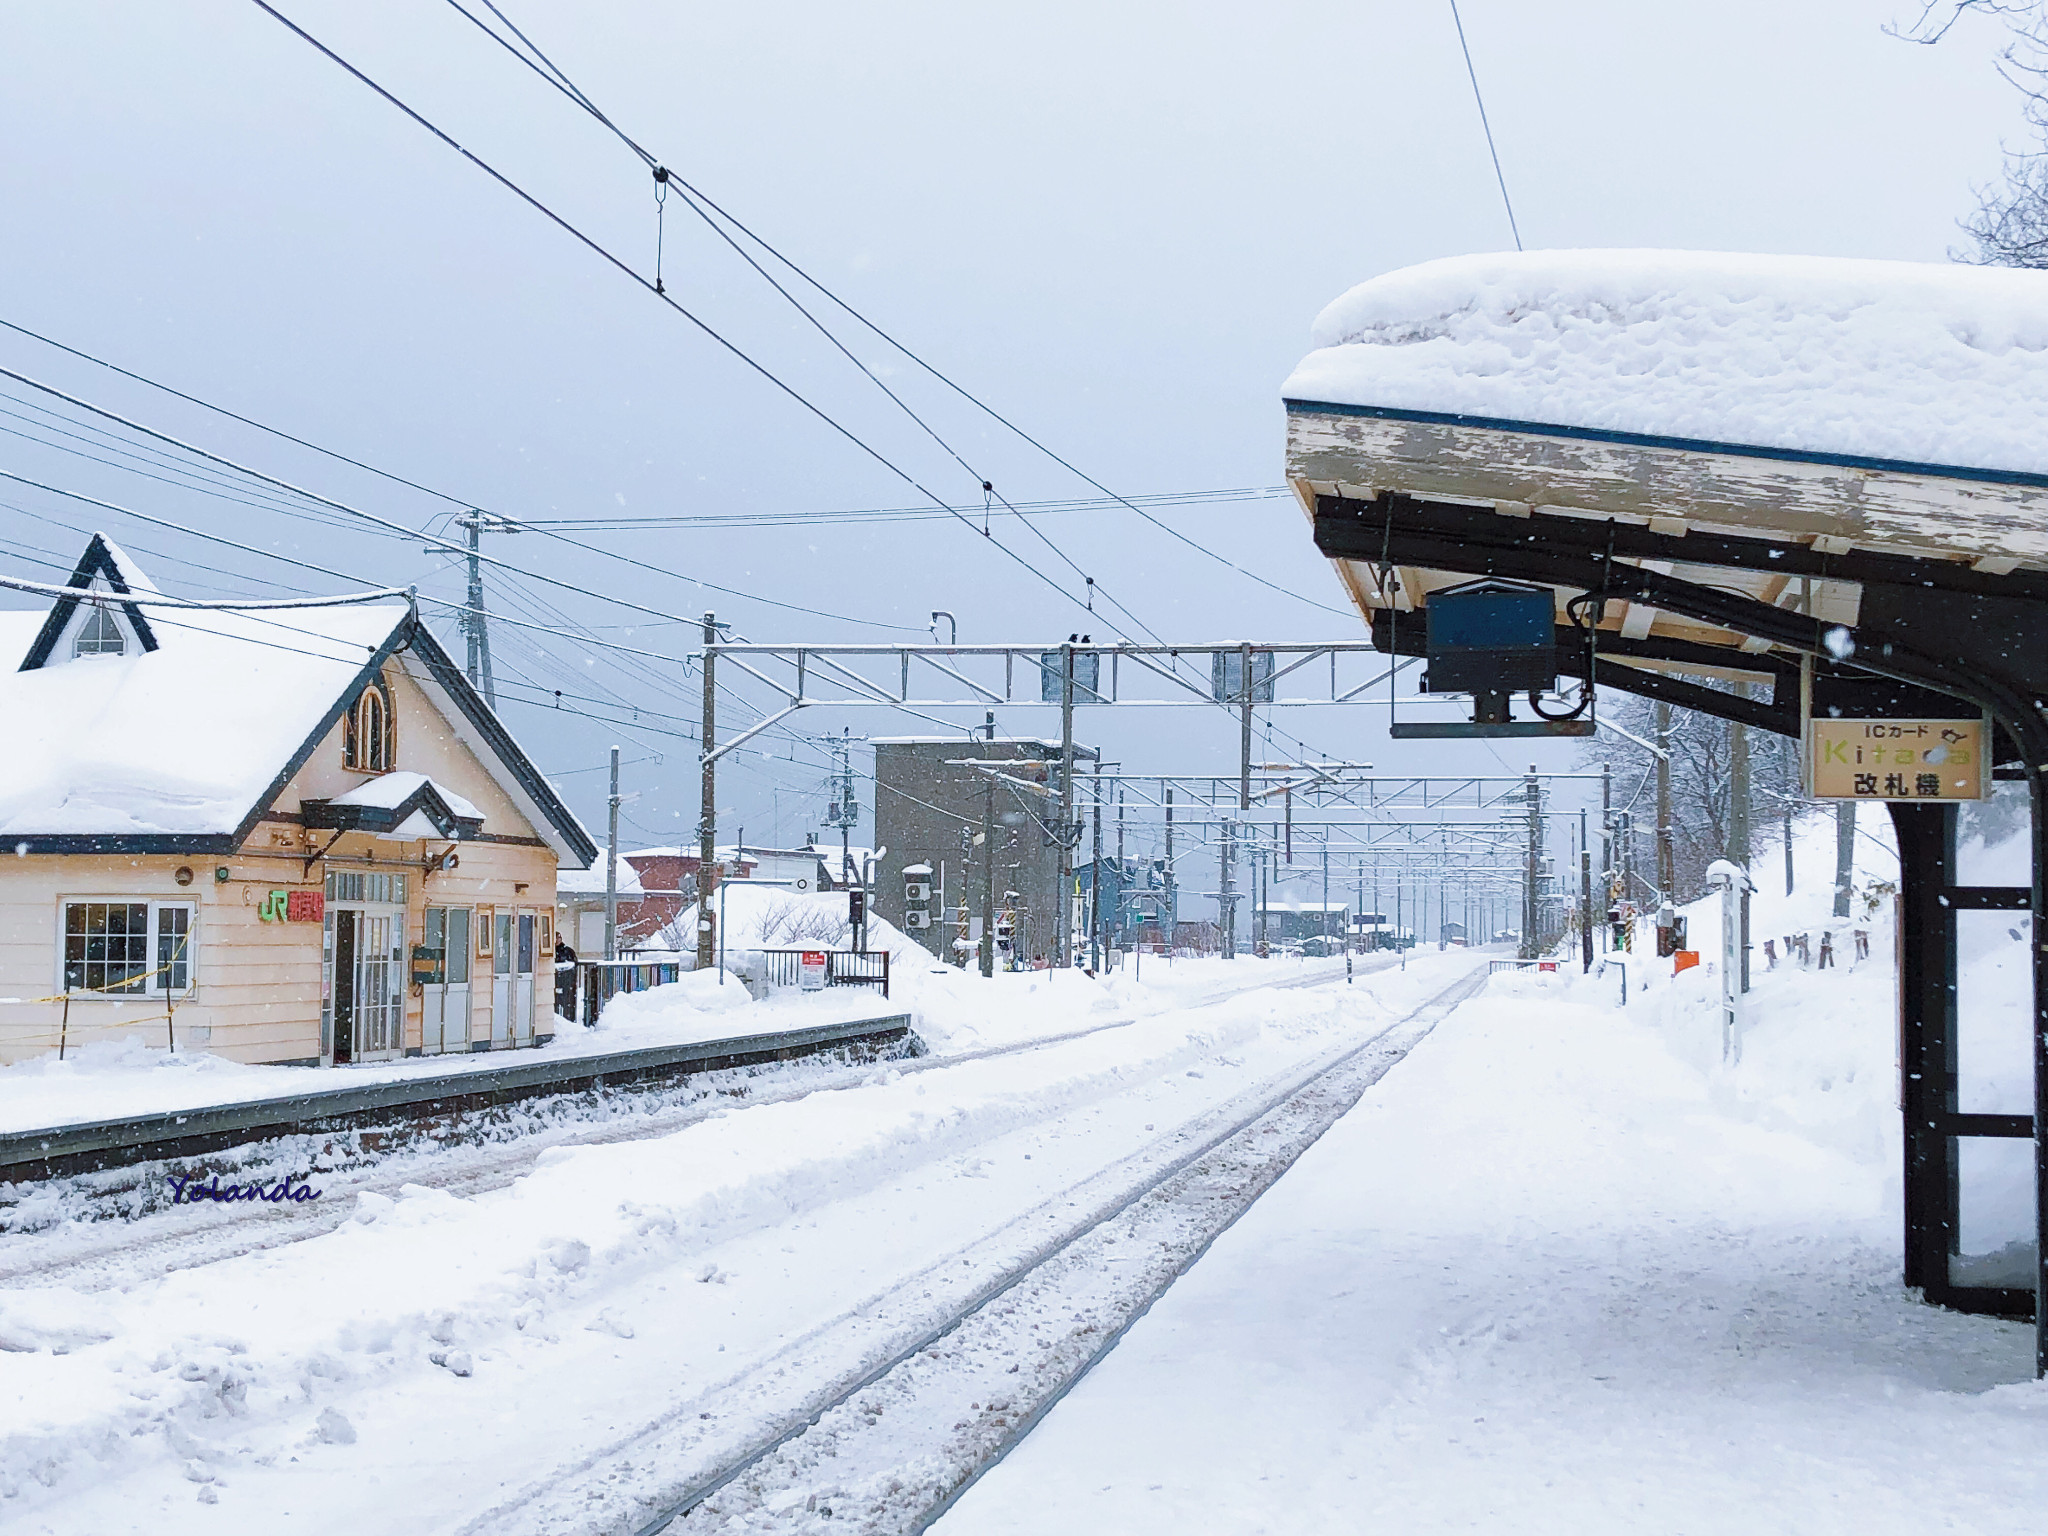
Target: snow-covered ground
1563,1271
442,1353
949,1011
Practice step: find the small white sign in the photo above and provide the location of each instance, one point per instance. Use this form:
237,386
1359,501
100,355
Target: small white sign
811,970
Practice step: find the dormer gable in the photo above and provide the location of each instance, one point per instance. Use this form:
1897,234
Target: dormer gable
79,628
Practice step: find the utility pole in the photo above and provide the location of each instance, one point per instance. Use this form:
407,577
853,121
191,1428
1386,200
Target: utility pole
988,861
1226,898
1121,906
473,623
1063,915
707,812
1172,894
1738,828
1667,855
1095,880
1607,840
1326,888
1531,902
611,868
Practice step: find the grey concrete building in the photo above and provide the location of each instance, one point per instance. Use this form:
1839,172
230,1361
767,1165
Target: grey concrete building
928,812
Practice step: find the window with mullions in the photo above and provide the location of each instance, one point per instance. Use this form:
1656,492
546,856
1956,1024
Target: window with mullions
369,732
100,635
127,948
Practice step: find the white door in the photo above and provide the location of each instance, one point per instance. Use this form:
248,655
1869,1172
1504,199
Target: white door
501,981
522,981
446,1003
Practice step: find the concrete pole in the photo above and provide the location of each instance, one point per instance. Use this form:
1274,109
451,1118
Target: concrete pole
1172,892
1095,880
1532,794
707,812
1226,898
1063,914
611,868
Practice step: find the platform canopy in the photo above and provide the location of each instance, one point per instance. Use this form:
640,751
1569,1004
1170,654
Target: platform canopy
1832,475
1845,411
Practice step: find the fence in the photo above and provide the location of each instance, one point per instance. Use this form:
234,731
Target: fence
603,980
843,967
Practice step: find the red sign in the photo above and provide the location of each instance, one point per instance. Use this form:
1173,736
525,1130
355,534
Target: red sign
305,906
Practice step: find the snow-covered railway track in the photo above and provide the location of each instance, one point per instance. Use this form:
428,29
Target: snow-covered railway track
97,1255
879,1419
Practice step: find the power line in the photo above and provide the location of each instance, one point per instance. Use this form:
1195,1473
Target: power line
1513,228
606,254
446,545
692,195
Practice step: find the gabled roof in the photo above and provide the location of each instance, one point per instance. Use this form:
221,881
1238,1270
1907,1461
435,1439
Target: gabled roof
104,565
184,747
400,804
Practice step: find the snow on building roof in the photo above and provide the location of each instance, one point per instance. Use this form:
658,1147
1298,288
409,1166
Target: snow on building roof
190,728
590,882
184,738
1933,365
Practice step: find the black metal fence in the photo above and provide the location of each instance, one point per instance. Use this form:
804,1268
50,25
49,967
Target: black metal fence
843,967
603,980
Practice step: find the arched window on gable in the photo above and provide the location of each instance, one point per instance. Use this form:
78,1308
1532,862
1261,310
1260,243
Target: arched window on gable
369,732
100,635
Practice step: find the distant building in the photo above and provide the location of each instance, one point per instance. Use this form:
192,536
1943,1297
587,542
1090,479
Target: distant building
928,811
1289,920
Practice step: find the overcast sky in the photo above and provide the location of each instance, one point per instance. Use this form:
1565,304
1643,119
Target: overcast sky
1114,222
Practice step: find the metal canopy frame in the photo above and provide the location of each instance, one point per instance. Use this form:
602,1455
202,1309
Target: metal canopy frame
1977,632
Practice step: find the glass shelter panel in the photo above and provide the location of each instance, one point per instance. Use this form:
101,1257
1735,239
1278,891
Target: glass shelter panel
1995,1213
1994,1007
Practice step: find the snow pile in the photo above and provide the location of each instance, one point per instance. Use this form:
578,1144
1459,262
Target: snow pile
1936,364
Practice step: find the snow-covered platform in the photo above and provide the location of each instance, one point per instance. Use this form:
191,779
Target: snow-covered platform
342,1099
1561,1271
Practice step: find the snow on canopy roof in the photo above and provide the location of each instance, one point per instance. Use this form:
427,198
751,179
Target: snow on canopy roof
184,739
1921,363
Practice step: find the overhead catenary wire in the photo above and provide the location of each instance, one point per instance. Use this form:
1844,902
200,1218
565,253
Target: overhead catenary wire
447,545
1498,175
693,196
617,262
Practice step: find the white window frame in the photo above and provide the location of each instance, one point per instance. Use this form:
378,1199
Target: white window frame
156,984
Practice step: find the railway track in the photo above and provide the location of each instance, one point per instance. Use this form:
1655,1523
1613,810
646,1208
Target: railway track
101,1254
878,1419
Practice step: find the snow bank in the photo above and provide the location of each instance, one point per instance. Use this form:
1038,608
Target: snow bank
187,1363
1938,364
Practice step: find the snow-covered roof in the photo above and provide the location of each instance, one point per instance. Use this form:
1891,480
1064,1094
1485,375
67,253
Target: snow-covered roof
590,882
181,740
401,805
184,738
1916,363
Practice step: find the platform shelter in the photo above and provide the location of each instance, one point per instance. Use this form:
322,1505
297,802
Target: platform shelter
1824,479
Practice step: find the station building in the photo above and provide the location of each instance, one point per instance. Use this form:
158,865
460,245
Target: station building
290,836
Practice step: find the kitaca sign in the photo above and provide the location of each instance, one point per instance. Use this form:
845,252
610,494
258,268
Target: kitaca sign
1896,759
